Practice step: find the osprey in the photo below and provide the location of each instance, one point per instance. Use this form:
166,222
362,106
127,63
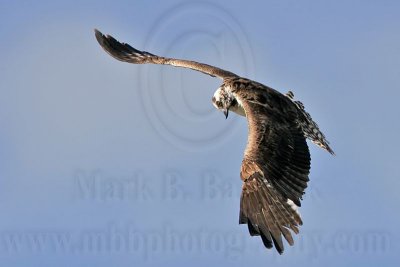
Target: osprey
276,161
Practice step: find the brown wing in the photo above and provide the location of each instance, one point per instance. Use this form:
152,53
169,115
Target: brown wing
276,164
126,53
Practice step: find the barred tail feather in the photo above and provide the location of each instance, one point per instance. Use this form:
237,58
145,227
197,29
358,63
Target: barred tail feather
310,127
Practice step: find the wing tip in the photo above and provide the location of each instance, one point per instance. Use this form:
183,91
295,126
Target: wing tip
103,40
99,36
96,31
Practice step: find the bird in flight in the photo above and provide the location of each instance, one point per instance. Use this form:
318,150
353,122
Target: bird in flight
276,161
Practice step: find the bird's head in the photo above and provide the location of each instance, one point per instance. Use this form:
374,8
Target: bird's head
223,100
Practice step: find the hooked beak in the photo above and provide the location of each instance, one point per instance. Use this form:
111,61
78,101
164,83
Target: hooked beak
226,113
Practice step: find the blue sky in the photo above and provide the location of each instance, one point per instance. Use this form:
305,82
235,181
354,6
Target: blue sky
109,164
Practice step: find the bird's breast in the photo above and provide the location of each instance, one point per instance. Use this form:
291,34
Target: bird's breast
238,108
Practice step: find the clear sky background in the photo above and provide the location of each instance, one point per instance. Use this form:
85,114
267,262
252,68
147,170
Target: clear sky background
109,164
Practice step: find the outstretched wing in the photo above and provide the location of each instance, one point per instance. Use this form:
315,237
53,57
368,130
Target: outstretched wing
125,52
276,164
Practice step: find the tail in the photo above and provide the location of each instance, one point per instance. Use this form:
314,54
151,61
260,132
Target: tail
310,127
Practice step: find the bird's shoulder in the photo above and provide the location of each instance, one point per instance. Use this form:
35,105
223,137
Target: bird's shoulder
260,99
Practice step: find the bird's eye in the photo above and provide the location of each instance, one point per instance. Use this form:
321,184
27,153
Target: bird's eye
219,104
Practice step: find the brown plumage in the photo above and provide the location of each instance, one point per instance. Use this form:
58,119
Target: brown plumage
276,161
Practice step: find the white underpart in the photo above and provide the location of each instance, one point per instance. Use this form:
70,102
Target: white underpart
293,206
239,109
